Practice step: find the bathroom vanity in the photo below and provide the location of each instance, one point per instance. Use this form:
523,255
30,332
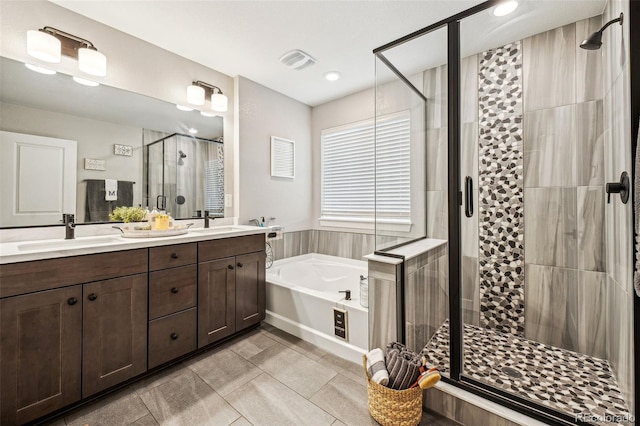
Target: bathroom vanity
75,325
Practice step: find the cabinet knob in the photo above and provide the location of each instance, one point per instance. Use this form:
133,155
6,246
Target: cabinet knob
72,301
174,290
93,296
174,255
239,265
230,266
174,336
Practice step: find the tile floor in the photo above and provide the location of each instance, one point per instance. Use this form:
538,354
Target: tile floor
266,377
566,381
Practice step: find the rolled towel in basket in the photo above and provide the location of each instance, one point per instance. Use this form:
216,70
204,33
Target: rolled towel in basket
376,367
403,366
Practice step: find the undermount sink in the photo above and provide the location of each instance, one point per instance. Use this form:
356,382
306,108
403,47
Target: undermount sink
64,244
217,230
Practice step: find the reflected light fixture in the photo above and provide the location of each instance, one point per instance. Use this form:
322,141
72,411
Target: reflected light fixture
193,131
49,44
183,108
198,91
85,82
207,114
505,8
41,70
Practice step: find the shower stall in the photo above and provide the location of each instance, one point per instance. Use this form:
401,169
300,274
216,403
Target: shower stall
515,132
185,176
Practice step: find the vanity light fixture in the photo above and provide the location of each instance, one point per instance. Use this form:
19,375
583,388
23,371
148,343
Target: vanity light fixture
198,91
49,44
505,8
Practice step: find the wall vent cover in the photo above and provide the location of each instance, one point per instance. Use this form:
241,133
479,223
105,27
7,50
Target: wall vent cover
297,59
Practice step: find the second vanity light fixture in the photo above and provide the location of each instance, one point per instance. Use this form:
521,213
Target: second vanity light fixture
49,44
198,91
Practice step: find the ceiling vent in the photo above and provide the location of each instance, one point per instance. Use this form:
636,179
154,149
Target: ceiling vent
297,59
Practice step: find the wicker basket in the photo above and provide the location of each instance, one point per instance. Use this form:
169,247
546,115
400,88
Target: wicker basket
391,407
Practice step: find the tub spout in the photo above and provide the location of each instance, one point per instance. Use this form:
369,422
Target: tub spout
347,294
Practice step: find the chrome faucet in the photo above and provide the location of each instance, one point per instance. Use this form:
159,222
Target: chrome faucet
206,218
69,226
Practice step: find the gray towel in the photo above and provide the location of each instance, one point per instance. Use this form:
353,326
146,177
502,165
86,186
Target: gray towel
636,188
96,208
403,366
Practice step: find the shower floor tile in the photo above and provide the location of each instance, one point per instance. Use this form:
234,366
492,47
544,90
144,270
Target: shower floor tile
566,381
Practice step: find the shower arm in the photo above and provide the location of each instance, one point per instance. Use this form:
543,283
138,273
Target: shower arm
613,21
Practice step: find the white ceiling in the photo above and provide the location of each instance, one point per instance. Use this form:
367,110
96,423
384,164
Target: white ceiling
248,37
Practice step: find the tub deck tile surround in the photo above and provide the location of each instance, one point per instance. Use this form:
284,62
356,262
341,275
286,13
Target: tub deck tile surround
189,394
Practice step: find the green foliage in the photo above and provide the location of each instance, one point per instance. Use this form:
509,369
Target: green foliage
128,214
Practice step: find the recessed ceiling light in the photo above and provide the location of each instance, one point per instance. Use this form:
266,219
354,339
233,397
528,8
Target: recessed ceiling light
193,131
85,82
208,114
183,108
332,75
505,8
41,70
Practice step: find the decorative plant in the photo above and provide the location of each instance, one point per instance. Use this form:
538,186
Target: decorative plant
128,214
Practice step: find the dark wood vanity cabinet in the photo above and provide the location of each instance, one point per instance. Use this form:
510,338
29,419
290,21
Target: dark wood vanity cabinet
60,344
40,353
75,326
114,337
173,283
231,286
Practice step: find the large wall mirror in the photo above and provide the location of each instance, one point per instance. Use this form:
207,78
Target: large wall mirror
153,154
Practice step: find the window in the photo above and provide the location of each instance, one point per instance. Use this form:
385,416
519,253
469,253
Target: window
349,156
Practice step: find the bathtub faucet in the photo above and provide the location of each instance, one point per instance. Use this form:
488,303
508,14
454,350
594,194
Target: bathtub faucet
347,294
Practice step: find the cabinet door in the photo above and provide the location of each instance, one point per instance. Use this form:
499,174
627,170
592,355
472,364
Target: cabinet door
115,332
250,289
216,300
40,353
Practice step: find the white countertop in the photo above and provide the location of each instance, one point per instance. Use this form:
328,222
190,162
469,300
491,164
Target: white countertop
409,251
23,251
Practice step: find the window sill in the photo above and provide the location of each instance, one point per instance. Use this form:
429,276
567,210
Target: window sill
366,224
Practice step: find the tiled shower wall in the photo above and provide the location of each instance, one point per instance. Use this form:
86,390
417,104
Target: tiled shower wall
549,172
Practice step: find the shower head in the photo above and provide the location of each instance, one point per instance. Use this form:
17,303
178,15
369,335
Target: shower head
182,154
594,41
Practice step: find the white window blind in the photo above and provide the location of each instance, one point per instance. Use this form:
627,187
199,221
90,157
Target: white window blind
214,187
352,185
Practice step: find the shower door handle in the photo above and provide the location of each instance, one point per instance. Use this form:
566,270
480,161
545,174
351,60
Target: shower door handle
468,196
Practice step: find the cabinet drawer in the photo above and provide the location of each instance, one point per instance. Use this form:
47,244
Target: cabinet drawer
171,337
172,256
227,247
27,277
172,290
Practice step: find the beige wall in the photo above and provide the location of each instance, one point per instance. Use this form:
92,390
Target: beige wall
264,113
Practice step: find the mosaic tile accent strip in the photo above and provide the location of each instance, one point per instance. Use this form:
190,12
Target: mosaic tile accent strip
501,183
563,380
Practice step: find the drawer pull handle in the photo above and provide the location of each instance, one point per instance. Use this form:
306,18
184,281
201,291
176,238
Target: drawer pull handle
93,297
174,290
174,255
239,265
72,301
174,336
230,266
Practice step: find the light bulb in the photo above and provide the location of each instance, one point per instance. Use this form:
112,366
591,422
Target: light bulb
195,95
505,8
332,75
219,102
44,46
92,62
